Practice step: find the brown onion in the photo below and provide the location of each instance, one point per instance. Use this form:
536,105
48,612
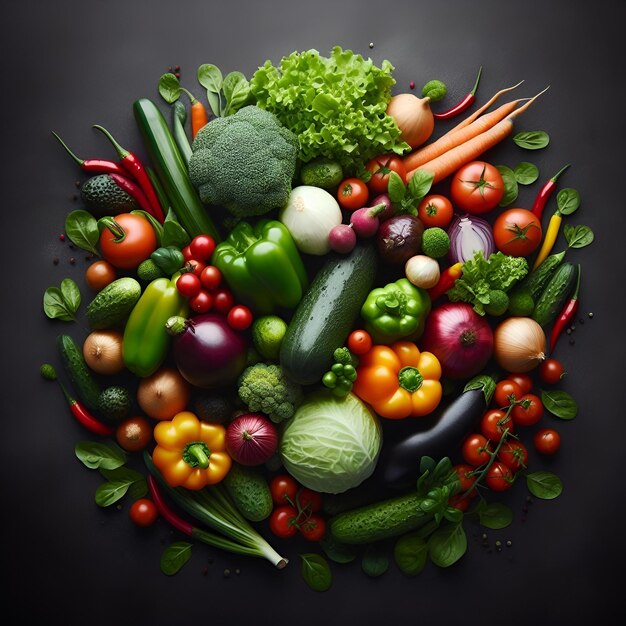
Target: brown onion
519,344
251,439
413,117
102,350
163,394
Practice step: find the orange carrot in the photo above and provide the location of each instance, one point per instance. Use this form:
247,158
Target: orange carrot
462,153
199,116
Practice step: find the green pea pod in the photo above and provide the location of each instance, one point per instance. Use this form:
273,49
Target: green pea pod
146,341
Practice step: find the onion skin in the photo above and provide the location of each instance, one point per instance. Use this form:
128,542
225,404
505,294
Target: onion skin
519,344
102,350
461,339
163,394
482,237
413,117
251,439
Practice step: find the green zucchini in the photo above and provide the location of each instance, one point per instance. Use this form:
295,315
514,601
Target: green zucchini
250,492
327,312
112,304
555,294
85,385
171,170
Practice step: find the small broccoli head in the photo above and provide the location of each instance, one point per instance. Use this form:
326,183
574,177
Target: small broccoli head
435,242
498,302
244,162
264,388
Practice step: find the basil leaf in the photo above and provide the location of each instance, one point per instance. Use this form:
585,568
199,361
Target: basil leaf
526,173
169,88
55,306
420,185
560,403
236,90
447,545
396,188
82,229
95,455
495,515
532,139
578,236
410,554
210,77
71,294
174,234
544,485
110,492
567,201
175,556
337,552
510,185
374,561
122,473
316,572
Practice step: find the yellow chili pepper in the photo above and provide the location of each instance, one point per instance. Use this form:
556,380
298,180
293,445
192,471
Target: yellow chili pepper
190,453
549,238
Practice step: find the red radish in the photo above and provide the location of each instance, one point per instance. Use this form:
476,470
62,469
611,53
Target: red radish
342,238
365,221
389,210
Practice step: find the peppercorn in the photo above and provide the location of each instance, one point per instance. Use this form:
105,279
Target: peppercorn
226,573
412,85
72,260
371,44
62,237
590,315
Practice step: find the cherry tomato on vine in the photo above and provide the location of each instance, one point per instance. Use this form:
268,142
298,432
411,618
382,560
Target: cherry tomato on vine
352,194
211,277
477,187
201,302
143,512
380,167
461,502
476,450
524,381
127,240
195,266
223,300
188,284
466,480
309,501
517,232
240,317
551,371
202,247
313,528
547,441
435,210
513,454
506,391
359,342
499,477
282,521
529,411
494,422
283,489
187,255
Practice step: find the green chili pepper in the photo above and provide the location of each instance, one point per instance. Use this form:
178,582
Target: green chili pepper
396,311
262,266
146,341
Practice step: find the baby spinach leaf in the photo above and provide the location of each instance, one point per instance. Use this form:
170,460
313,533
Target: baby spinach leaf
419,185
510,185
236,90
337,552
532,139
560,403
96,455
110,492
173,233
567,201
70,293
175,556
578,236
447,545
374,561
526,173
82,229
169,88
544,485
410,554
316,572
495,515
210,77
62,303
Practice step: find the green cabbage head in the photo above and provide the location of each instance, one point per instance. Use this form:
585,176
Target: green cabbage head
331,444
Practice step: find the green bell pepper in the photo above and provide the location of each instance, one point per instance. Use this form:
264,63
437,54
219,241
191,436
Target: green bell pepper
396,311
146,341
262,266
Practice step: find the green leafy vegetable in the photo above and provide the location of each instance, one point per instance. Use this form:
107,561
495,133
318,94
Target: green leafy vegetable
411,553
526,173
82,229
567,201
560,403
447,545
494,515
578,236
435,90
544,485
225,94
175,556
62,302
510,185
374,561
532,139
169,87
406,198
337,552
210,77
119,481
173,232
316,572
96,455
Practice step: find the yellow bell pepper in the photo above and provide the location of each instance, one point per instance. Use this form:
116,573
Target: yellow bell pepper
399,381
190,453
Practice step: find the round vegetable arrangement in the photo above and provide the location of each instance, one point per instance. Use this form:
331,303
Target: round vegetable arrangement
301,333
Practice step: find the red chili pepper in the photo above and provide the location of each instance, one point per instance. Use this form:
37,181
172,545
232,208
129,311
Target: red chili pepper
568,312
133,164
101,166
463,104
446,280
133,190
84,417
164,510
545,192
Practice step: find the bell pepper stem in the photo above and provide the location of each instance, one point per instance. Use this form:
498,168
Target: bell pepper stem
410,378
176,325
197,454
390,303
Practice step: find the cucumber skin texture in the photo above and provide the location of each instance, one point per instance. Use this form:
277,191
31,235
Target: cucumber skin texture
113,304
326,314
86,387
250,492
555,294
381,520
539,279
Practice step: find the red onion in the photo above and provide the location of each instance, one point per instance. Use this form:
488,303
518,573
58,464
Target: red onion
469,234
461,339
399,238
251,439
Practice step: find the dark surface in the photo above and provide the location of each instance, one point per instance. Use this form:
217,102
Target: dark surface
68,65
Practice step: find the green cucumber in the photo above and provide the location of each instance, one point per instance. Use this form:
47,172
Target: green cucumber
112,304
250,492
85,385
538,278
555,294
326,314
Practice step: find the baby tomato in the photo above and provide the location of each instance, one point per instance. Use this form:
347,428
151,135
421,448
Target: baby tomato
435,210
352,194
547,441
380,168
283,522
127,239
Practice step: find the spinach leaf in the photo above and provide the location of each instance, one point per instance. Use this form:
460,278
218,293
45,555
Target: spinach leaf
210,77
168,259
82,229
173,233
95,455
544,485
578,236
120,480
567,201
532,139
62,303
410,554
175,556
495,515
447,545
419,185
169,88
374,561
110,492
560,403
526,173
236,90
510,185
406,198
316,572
337,552
70,293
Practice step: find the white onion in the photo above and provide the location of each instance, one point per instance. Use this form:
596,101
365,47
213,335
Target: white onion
422,271
519,344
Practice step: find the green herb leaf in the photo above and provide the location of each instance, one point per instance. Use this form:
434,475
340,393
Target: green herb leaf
210,77
110,492
544,485
173,232
396,188
96,455
62,303
419,185
82,229
316,572
337,552
236,89
532,139
70,293
447,545
169,88
526,173
374,561
495,515
560,404
175,556
567,201
510,185
578,236
122,473
410,554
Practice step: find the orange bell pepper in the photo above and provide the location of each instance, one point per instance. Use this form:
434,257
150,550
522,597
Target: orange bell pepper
190,453
399,381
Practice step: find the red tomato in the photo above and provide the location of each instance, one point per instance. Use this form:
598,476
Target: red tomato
309,501
524,381
506,392
313,528
359,342
517,232
551,371
211,277
352,194
493,424
475,450
435,210
513,454
466,479
459,501
547,441
477,187
380,167
283,489
187,253
499,477
202,247
239,317
143,512
100,274
223,300
282,521
188,285
129,241
196,266
529,412
201,302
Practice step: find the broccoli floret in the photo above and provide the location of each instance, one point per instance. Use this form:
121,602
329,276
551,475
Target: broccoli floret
263,387
435,242
244,162
521,302
498,302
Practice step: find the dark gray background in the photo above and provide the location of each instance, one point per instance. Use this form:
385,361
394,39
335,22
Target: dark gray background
67,65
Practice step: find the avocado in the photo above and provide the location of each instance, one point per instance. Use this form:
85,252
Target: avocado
115,403
102,195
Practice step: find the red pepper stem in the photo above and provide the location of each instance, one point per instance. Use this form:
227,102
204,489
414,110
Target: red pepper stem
475,87
556,176
78,161
122,152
